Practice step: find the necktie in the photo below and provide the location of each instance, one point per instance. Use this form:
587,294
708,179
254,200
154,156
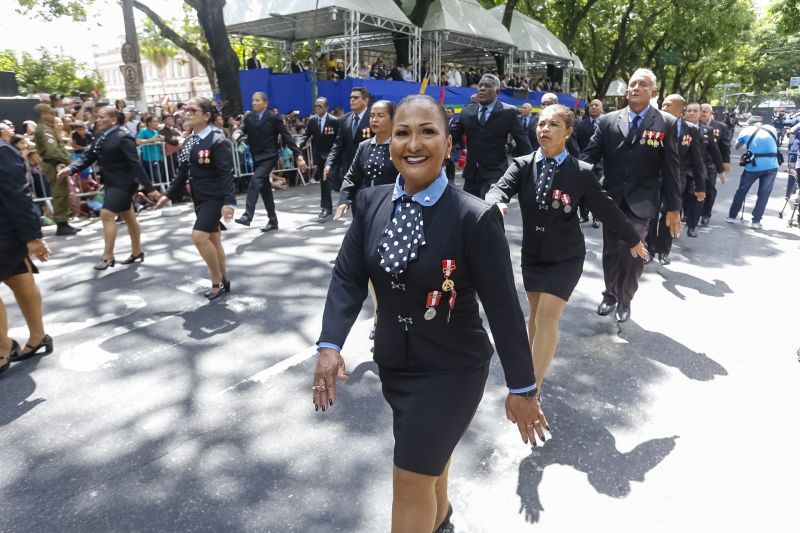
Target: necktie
634,132
402,237
544,180
356,120
525,123
594,123
185,154
484,109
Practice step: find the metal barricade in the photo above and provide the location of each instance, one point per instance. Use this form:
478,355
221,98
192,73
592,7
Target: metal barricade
160,169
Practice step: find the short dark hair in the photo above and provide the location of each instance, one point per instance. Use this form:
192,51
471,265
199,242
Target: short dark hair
206,106
364,92
424,99
324,100
262,95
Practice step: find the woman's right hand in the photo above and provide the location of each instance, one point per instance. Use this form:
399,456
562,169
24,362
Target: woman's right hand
341,211
330,367
164,200
39,249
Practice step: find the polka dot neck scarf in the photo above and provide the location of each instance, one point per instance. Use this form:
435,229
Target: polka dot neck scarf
544,179
402,237
375,162
186,151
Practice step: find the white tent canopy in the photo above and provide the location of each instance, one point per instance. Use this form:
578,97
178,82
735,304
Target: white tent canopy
461,30
617,88
302,20
531,36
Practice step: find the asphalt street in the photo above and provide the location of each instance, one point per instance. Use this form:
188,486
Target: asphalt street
159,411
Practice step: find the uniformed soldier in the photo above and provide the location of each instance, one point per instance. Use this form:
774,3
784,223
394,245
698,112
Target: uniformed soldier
722,136
54,155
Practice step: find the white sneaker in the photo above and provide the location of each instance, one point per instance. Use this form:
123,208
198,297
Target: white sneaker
730,220
756,225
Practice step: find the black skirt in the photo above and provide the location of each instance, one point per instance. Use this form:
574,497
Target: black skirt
558,279
119,199
14,259
208,214
432,411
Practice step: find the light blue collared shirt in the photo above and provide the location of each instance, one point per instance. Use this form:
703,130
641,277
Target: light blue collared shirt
642,115
208,129
374,140
539,157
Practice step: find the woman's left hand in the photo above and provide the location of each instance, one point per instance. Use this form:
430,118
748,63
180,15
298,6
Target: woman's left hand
330,367
227,212
640,250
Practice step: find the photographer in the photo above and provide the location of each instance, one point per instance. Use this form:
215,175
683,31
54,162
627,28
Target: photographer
761,163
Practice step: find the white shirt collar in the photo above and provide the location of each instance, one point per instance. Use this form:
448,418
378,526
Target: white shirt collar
374,140
208,129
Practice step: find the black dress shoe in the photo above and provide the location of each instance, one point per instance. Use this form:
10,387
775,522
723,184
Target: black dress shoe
606,307
133,259
584,219
33,351
65,229
704,221
11,354
595,223
648,259
664,259
623,312
272,226
691,232
684,219
325,213
244,221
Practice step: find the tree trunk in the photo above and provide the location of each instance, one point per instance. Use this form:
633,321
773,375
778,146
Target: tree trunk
168,33
508,14
417,17
570,28
226,64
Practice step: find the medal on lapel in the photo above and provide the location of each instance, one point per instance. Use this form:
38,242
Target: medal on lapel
200,156
434,297
448,266
567,202
207,160
556,199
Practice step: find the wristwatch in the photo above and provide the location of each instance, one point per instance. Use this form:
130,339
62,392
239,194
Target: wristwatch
534,393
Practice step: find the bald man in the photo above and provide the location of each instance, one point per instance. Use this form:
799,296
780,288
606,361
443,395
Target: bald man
722,136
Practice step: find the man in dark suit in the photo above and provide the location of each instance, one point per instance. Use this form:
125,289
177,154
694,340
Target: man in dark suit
322,130
452,160
581,137
253,62
354,129
712,163
487,126
529,120
722,136
297,67
263,128
640,165
691,174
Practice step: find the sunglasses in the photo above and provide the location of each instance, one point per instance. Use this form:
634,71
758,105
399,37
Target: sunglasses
191,110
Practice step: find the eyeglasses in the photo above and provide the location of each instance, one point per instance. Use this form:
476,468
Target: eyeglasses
190,110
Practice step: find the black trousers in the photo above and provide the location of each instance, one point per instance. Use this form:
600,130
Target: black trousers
621,271
659,238
325,201
260,184
711,193
478,187
691,207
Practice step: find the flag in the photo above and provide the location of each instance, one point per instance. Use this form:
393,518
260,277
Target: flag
424,86
441,94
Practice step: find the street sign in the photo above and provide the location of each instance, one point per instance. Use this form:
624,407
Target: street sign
132,77
668,58
129,53
794,81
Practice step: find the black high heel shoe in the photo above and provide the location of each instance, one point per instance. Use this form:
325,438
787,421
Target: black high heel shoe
105,263
227,283
133,259
14,351
446,526
33,351
211,295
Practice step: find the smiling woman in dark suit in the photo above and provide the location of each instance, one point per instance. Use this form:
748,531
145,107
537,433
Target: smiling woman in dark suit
122,173
550,184
419,241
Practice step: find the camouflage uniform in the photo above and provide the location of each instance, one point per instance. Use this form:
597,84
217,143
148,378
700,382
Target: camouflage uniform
53,153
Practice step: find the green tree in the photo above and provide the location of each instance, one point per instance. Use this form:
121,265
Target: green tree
156,49
45,72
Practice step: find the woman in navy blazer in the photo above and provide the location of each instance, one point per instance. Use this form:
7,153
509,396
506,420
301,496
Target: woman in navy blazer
429,249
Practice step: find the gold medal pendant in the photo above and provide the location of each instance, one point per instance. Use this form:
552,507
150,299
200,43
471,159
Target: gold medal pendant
448,285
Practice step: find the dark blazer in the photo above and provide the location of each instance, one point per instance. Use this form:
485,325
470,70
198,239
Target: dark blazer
356,177
18,218
638,173
253,63
690,156
118,159
486,145
458,227
212,180
297,68
583,132
322,141
712,153
530,131
549,234
262,135
344,148
723,137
